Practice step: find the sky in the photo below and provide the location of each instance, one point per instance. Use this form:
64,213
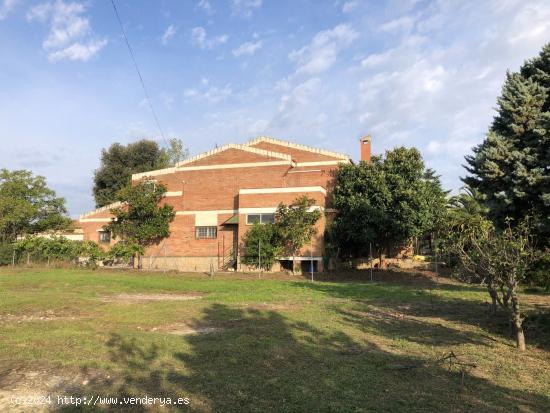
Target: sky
321,73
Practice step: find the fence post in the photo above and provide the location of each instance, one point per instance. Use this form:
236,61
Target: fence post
259,258
370,259
311,257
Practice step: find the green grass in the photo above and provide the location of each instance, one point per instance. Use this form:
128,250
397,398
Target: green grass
281,345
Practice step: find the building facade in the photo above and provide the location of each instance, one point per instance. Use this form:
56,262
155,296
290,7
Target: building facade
219,194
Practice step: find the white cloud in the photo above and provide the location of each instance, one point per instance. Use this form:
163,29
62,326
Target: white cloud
248,48
78,51
402,23
200,39
70,33
350,6
211,94
245,8
205,6
435,91
376,59
6,7
168,34
321,53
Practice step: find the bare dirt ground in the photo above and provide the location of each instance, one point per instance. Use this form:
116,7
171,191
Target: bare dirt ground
28,391
45,316
132,298
182,329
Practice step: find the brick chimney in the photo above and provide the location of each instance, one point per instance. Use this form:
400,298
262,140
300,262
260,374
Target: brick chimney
365,148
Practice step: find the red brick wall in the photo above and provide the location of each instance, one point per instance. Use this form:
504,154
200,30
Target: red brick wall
230,156
218,189
297,154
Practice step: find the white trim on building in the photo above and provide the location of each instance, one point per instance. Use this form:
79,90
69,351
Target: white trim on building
247,191
298,146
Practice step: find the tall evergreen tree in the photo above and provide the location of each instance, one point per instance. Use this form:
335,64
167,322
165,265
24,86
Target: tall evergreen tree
511,167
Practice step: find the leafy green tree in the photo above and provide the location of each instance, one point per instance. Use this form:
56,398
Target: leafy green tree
386,202
510,167
175,151
119,162
262,246
295,225
499,259
28,206
141,220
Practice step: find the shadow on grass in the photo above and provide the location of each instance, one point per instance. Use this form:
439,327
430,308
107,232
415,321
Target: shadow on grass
261,361
421,300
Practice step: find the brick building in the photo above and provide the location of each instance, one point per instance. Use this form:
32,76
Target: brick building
217,195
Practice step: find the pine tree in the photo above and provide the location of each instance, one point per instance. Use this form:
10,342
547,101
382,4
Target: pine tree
511,167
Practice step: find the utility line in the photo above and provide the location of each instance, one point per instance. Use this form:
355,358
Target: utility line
138,71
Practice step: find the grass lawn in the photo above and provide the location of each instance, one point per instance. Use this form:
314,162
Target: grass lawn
235,343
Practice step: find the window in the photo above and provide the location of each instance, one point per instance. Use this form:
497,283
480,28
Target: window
260,219
104,237
206,232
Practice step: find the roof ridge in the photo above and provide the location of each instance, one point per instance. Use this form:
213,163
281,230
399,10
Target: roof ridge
288,144
101,209
243,147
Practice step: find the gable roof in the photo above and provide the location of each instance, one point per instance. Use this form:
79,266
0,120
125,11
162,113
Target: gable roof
297,146
106,208
273,156
223,148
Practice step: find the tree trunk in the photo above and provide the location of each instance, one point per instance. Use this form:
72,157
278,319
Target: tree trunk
517,321
520,338
493,295
140,264
293,264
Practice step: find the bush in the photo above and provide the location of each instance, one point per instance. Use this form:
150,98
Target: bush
59,249
262,246
6,254
123,251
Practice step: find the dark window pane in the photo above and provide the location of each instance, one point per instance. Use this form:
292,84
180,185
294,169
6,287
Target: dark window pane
268,218
253,218
104,237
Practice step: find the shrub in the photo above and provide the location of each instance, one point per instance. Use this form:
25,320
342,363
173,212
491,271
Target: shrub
6,254
42,249
262,246
123,251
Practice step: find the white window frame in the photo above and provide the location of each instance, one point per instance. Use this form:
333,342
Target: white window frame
101,233
261,216
211,232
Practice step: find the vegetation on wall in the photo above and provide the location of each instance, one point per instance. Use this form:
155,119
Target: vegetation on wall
262,246
142,221
294,227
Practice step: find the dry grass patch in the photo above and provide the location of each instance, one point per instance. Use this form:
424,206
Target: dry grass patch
132,298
